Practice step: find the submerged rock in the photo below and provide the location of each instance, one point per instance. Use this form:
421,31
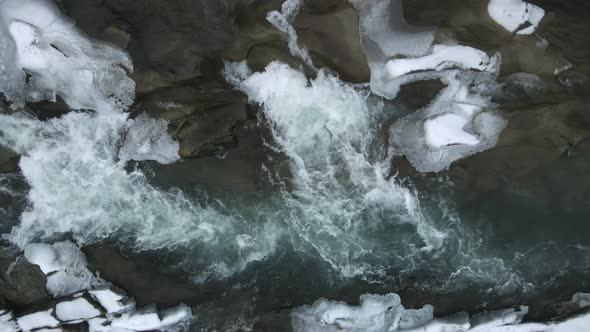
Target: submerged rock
8,160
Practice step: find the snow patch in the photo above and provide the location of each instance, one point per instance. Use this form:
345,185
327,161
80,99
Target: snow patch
37,320
113,302
74,310
442,57
516,15
64,264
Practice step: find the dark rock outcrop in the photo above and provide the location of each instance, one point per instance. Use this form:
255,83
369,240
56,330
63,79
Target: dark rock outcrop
203,116
22,284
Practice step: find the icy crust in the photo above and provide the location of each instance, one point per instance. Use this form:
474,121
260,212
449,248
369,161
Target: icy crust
384,313
457,124
42,56
103,307
516,16
65,267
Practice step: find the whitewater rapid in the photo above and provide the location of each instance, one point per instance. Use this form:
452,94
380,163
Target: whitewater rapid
346,205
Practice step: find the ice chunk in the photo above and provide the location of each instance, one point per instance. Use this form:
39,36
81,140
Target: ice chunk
77,309
516,15
148,139
64,264
42,55
455,125
37,320
113,302
442,57
150,320
375,313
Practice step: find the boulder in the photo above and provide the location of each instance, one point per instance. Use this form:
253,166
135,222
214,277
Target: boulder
21,284
203,116
8,160
330,31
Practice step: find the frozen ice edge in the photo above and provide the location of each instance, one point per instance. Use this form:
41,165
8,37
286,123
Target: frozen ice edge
382,313
84,297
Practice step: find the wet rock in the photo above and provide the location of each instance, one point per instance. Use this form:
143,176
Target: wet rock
566,27
21,284
145,278
469,23
330,31
257,41
8,160
536,139
203,116
243,170
167,40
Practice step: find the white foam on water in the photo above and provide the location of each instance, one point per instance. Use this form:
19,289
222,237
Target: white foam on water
282,20
79,185
76,165
516,16
343,192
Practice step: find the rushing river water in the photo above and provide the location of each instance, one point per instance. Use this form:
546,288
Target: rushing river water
342,224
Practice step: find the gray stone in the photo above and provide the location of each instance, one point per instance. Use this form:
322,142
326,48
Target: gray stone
21,284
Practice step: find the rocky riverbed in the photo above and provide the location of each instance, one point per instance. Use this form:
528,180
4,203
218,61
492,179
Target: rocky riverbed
262,154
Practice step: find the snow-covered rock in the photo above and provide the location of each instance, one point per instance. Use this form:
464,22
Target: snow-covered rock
76,309
43,56
516,15
37,320
64,264
441,57
112,301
